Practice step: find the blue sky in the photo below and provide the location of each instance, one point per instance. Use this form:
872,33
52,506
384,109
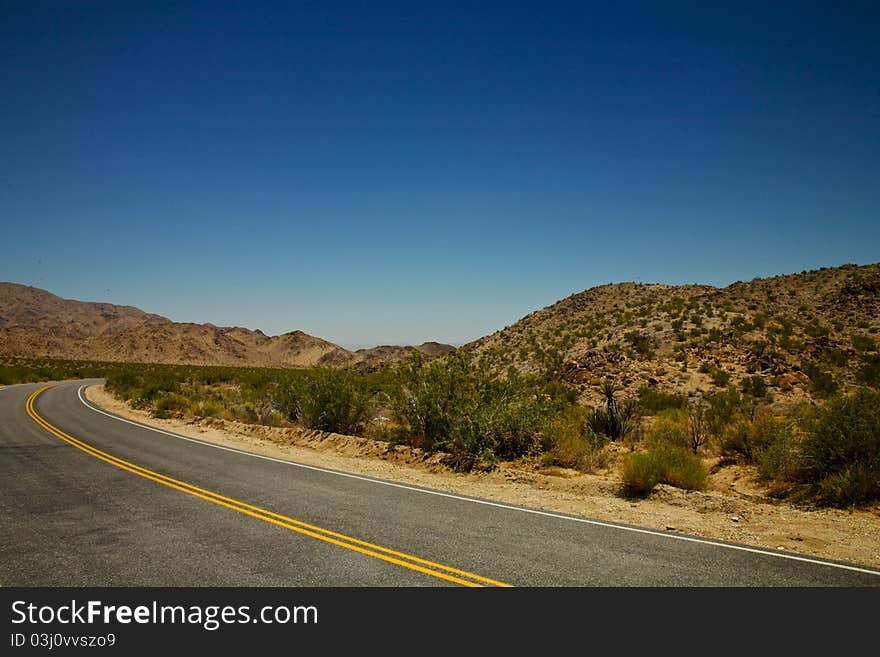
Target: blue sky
394,173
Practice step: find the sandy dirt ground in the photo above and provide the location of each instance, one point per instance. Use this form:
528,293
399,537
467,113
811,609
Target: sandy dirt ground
731,509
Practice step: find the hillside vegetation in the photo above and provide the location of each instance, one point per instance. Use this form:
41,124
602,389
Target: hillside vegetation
791,338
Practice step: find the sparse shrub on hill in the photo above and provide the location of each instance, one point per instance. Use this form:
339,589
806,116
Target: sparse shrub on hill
836,357
863,343
719,377
869,373
816,330
822,383
652,401
723,408
754,386
640,343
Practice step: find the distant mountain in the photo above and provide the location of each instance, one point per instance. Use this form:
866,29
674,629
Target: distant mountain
802,335
36,323
375,357
31,308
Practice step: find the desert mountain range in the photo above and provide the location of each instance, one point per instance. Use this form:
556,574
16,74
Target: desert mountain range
37,324
800,336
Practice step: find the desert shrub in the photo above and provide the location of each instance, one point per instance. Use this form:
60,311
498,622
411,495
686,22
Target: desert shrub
779,459
723,408
816,330
641,473
841,449
698,427
869,373
569,442
671,465
640,343
207,408
123,383
459,407
328,400
754,386
169,404
748,437
670,428
719,377
652,401
822,383
836,357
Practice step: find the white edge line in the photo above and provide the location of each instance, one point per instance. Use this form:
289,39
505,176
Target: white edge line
548,514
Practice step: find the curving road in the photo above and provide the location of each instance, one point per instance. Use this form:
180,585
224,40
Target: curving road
89,499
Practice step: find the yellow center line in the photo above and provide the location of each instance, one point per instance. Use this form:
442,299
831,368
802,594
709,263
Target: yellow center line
398,558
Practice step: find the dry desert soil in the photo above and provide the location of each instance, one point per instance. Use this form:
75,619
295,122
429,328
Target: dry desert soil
731,509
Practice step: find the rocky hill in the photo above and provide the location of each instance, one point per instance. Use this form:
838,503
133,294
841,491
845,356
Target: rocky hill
376,357
800,336
36,323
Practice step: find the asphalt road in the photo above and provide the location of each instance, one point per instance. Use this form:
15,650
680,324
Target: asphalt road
87,499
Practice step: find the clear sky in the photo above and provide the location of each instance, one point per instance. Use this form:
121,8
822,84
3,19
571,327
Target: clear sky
393,173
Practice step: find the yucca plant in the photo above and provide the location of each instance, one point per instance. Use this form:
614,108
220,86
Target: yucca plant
614,421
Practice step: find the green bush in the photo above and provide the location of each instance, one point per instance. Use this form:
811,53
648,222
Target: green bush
652,401
640,343
780,459
671,465
641,473
670,428
869,374
724,408
569,442
719,377
329,400
207,408
748,438
822,383
459,407
754,386
841,451
169,404
816,330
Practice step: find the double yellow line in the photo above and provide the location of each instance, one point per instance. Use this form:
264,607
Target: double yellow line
341,540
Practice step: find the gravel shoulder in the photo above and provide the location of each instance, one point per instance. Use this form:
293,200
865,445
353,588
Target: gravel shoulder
731,509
